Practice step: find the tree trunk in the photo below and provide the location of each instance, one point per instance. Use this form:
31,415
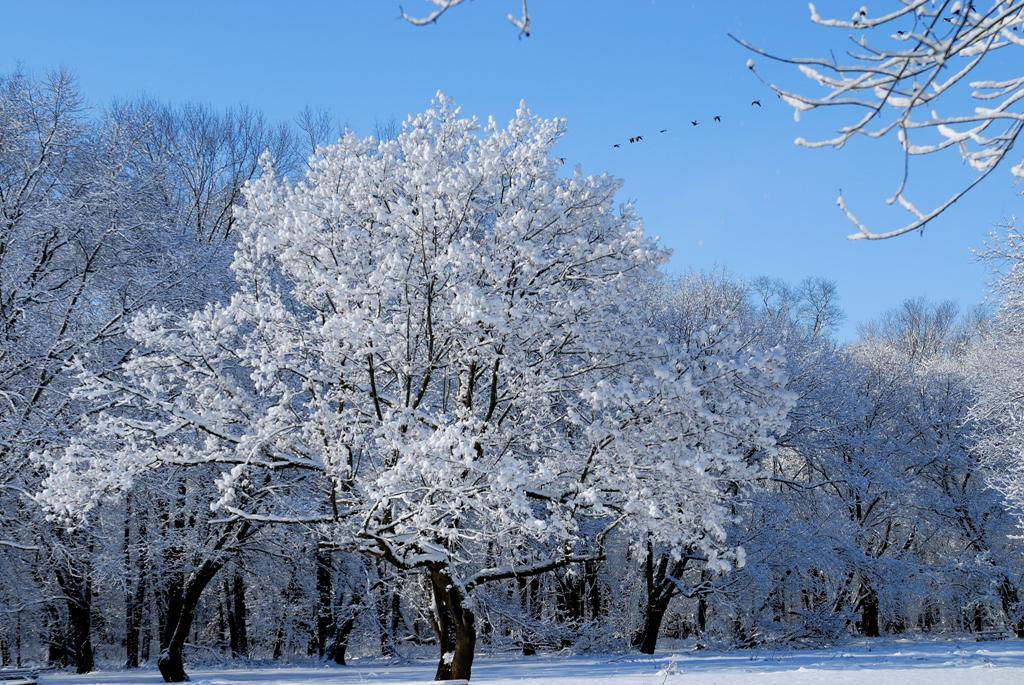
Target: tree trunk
869,626
134,598
146,638
56,644
339,645
238,636
529,593
455,625
183,607
1010,599
325,602
646,640
80,622
590,572
77,588
383,604
660,591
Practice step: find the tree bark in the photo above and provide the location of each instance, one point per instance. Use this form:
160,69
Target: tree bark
1010,599
77,588
385,616
529,593
238,636
134,598
869,626
455,625
646,640
339,644
56,644
325,603
183,609
660,591
80,621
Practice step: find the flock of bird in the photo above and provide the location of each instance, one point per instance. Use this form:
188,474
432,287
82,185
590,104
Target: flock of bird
693,122
858,17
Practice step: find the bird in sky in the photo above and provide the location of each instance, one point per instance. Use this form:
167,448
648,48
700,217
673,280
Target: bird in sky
695,122
755,103
616,145
718,118
664,130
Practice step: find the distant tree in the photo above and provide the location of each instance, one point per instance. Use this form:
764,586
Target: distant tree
919,71
998,362
100,218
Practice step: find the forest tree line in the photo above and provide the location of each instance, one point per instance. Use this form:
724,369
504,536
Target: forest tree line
434,392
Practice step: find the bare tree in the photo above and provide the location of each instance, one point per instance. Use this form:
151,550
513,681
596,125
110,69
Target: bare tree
316,128
206,156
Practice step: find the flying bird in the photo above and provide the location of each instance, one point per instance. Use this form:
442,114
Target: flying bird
695,122
561,160
718,118
616,145
755,103
664,130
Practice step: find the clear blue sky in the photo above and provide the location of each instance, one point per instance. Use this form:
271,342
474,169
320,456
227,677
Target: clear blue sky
738,195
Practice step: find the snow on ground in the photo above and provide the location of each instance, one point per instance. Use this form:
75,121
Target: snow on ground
863,663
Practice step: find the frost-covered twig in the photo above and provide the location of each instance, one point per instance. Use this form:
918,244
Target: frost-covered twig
907,63
522,22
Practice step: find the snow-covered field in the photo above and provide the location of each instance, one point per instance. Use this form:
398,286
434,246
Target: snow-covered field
897,662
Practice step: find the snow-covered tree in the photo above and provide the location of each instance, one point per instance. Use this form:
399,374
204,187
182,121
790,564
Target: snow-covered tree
435,354
998,363
101,217
704,317
933,75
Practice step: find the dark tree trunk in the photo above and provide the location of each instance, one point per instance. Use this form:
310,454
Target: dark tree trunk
80,622
134,598
529,592
660,591
325,603
385,616
131,634
702,604
869,625
339,645
1010,599
590,572
77,588
56,646
238,636
146,639
455,625
183,609
279,642
647,639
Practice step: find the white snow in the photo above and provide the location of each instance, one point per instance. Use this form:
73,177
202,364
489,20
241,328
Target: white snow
869,662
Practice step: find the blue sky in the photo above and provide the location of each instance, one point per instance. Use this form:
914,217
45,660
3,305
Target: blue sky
737,195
